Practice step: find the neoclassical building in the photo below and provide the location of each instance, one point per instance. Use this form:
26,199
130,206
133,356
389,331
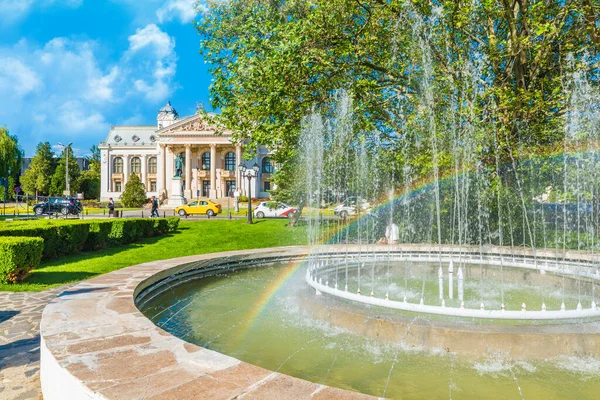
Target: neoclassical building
210,161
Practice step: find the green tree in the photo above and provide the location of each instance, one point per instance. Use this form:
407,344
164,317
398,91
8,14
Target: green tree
135,192
89,184
11,155
415,69
38,177
58,184
89,181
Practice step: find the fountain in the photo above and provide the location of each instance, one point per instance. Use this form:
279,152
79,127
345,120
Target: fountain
478,278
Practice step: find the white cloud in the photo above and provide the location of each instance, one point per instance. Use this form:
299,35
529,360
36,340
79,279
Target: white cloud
14,10
151,42
74,117
183,10
16,76
152,37
64,89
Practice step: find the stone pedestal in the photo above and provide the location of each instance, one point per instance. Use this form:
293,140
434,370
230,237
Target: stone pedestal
176,196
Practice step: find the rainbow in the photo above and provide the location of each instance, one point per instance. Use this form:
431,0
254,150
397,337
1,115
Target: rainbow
419,188
425,185
268,293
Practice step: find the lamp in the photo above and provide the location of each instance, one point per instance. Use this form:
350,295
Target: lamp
67,183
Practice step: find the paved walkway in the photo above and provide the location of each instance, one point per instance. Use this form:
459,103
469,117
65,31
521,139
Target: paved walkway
20,315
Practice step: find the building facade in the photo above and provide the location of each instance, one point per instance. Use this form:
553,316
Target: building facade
210,162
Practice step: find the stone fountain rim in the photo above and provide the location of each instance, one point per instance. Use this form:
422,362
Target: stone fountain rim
92,330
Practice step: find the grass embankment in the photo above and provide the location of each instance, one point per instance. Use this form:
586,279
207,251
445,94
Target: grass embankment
197,237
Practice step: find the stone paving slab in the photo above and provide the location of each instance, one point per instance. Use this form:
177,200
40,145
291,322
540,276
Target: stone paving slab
96,344
20,315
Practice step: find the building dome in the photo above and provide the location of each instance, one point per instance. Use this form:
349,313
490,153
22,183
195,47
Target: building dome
166,116
168,109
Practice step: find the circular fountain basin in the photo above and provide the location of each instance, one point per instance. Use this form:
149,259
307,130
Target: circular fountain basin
95,344
246,323
444,272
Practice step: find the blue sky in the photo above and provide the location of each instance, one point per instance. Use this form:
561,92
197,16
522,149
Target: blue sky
69,69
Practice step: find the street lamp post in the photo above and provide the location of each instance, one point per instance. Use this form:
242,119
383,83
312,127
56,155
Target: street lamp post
249,174
67,183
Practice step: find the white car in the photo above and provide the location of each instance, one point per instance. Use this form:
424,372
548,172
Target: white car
349,207
273,209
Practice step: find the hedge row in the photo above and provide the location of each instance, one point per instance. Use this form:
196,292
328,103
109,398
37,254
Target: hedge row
59,238
18,256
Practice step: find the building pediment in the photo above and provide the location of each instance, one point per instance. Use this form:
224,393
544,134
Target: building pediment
193,124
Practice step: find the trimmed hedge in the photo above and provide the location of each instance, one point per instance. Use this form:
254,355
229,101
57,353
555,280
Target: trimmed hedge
60,237
18,256
161,226
98,236
173,223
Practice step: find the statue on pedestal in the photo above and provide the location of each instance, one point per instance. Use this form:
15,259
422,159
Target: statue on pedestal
178,166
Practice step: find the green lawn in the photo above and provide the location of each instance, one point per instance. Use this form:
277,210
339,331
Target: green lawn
194,237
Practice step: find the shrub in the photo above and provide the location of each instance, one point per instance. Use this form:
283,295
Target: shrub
173,223
60,237
128,230
18,256
98,235
145,227
135,192
243,199
161,226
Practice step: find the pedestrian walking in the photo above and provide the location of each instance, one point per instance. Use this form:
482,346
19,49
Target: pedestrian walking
111,207
154,208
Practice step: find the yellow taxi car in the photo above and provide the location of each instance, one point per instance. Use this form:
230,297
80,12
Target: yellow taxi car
207,207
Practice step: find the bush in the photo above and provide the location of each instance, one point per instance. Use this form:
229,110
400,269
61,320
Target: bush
173,223
161,226
128,230
98,235
135,192
60,237
145,227
243,199
18,256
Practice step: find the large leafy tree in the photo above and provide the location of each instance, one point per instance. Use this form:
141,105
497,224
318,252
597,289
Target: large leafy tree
58,184
89,181
38,177
11,155
416,69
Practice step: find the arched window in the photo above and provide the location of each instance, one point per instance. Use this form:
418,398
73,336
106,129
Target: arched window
118,165
267,167
152,165
136,165
206,161
230,161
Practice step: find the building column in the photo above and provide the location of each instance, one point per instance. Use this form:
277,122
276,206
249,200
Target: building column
188,172
144,171
169,169
160,169
213,171
126,169
238,173
108,160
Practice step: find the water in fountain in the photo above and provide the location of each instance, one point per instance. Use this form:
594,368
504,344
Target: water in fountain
491,288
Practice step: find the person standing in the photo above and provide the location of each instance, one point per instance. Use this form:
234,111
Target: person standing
154,207
111,207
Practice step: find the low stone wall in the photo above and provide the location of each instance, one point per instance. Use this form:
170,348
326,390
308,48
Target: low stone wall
95,344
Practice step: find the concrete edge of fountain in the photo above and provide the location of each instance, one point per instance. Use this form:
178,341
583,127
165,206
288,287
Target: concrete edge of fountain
96,344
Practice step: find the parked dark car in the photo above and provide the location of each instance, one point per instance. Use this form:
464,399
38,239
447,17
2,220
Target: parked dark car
58,205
